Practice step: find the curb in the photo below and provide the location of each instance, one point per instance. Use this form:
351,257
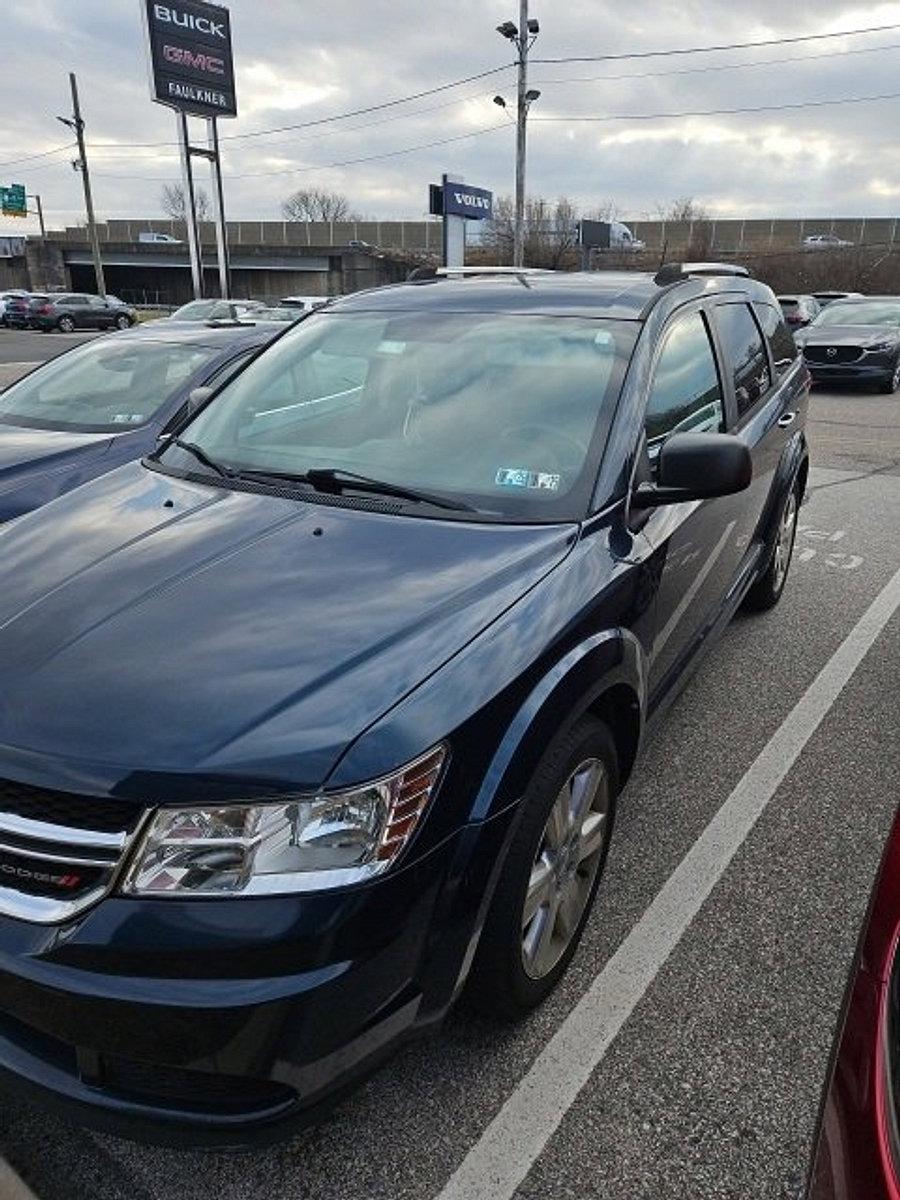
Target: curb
12,1187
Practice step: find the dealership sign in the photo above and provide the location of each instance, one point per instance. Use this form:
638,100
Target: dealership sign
460,200
191,66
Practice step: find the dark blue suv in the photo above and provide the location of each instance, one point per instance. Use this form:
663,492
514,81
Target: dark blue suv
317,716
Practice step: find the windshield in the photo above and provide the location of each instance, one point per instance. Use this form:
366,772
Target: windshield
203,310
789,305
500,412
102,387
860,312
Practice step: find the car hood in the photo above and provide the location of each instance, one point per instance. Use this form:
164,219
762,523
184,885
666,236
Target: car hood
44,448
36,465
156,632
848,335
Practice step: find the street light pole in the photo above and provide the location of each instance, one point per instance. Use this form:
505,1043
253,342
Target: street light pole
77,124
523,38
521,121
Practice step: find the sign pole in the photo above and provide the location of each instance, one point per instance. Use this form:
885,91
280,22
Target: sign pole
40,213
190,204
215,164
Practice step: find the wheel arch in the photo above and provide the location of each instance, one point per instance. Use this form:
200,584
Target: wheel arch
792,470
604,675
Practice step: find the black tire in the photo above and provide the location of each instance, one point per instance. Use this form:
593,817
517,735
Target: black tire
122,321
767,590
499,984
888,386
65,325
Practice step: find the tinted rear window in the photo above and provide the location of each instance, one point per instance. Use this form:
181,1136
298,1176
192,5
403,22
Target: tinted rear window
780,339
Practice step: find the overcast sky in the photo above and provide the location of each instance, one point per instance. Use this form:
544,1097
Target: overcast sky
300,60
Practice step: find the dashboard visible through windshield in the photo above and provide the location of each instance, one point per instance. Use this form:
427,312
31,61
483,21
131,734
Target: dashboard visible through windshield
502,412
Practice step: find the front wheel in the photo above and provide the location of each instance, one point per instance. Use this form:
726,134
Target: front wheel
65,325
766,592
122,321
548,883
889,386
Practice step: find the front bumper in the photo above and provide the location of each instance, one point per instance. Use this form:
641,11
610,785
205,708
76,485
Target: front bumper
870,368
221,1022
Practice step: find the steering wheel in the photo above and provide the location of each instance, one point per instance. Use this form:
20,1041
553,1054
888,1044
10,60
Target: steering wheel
565,449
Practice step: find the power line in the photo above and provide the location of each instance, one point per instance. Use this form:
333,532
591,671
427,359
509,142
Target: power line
809,37
325,166
356,112
14,162
729,66
723,112
125,152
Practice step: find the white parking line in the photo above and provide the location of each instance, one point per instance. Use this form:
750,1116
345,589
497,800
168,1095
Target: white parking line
12,1186
501,1158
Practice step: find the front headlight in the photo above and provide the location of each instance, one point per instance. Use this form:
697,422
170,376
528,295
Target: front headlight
888,344
298,845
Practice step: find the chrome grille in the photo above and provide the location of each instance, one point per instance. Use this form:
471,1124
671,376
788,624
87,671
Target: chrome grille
53,863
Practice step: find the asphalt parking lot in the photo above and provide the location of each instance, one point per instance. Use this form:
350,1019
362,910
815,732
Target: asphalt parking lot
700,1010
22,349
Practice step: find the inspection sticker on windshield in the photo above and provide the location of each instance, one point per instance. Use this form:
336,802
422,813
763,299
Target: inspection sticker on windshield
521,477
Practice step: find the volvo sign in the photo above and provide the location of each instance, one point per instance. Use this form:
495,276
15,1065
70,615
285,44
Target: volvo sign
449,199
460,200
191,66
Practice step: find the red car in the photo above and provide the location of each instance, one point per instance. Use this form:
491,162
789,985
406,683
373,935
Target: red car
858,1152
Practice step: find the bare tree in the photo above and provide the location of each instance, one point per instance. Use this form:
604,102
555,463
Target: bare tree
171,201
684,208
691,213
314,204
606,210
550,230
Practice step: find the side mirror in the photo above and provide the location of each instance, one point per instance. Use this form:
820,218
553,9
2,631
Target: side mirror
197,398
696,466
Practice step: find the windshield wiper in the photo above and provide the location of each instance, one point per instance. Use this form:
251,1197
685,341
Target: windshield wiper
200,454
326,479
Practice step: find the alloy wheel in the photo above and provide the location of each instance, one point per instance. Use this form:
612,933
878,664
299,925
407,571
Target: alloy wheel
784,543
565,867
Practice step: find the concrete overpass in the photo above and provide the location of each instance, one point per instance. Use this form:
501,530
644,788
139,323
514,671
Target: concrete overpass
142,272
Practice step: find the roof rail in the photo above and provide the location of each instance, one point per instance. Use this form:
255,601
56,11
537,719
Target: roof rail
675,271
494,271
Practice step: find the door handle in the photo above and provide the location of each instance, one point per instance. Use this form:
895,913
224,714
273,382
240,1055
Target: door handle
787,419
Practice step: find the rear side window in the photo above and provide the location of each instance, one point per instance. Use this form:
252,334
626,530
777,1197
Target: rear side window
685,395
780,339
744,354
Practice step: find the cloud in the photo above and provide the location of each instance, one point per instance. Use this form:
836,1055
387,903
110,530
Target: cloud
299,63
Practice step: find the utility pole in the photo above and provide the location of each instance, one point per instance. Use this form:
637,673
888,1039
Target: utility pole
77,124
523,39
521,121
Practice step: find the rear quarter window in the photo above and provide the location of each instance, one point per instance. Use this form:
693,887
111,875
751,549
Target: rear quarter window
744,354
